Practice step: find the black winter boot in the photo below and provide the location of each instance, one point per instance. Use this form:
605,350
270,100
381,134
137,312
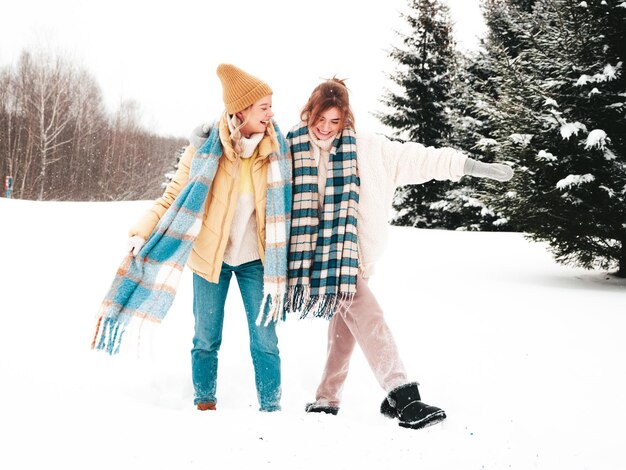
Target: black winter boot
321,407
410,410
387,410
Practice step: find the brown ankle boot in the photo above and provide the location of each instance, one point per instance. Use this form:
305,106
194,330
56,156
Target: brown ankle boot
209,405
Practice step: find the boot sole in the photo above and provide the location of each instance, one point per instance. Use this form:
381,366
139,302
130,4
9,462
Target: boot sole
327,410
429,420
312,408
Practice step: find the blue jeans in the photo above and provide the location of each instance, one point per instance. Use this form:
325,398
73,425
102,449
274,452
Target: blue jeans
208,309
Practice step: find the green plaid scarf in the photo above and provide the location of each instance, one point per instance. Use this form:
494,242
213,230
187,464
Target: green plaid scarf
323,260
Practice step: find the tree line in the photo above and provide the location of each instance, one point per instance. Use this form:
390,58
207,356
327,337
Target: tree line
546,93
58,142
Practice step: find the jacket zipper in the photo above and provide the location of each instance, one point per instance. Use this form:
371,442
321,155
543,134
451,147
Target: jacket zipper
256,212
230,194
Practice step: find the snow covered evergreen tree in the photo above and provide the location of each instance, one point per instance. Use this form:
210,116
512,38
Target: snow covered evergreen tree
426,68
419,110
477,93
464,205
559,112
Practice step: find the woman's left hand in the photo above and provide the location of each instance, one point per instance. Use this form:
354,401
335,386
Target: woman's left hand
495,171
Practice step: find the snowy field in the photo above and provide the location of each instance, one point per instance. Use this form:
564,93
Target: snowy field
525,356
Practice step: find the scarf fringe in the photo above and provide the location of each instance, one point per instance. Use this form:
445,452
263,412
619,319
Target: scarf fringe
109,334
299,299
275,305
111,330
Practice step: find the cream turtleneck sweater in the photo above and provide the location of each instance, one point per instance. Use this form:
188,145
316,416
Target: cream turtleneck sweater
321,151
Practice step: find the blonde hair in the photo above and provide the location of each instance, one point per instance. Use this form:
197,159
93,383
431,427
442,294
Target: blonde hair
235,134
332,93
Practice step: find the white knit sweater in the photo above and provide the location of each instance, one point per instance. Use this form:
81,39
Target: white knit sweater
383,165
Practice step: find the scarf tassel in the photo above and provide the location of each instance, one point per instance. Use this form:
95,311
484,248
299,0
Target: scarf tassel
295,298
318,306
274,304
109,333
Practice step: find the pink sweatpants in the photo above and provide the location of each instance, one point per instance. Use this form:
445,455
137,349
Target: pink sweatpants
362,323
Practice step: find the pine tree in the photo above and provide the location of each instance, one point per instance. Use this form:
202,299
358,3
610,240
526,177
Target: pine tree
419,110
464,205
558,110
506,21
478,91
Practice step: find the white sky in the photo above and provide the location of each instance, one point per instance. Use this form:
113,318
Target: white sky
164,54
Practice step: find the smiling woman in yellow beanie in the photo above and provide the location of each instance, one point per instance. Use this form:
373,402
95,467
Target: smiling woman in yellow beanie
218,217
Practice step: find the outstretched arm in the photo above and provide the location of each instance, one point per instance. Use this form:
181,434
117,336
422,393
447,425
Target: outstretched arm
413,163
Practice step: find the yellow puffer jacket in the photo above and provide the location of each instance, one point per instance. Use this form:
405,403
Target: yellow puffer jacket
208,250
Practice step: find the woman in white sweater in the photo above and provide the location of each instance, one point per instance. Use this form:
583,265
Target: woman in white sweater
342,190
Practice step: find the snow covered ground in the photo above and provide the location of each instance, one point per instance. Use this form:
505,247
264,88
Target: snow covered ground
526,357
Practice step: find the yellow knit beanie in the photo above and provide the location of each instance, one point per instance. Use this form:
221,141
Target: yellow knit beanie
240,89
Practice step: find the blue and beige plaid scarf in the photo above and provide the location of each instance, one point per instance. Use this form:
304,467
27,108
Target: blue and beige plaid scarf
145,285
323,248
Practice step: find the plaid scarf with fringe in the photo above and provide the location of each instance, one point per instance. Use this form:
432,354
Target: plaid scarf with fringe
323,250
145,285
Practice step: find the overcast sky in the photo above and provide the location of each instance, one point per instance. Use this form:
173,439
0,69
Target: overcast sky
164,54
